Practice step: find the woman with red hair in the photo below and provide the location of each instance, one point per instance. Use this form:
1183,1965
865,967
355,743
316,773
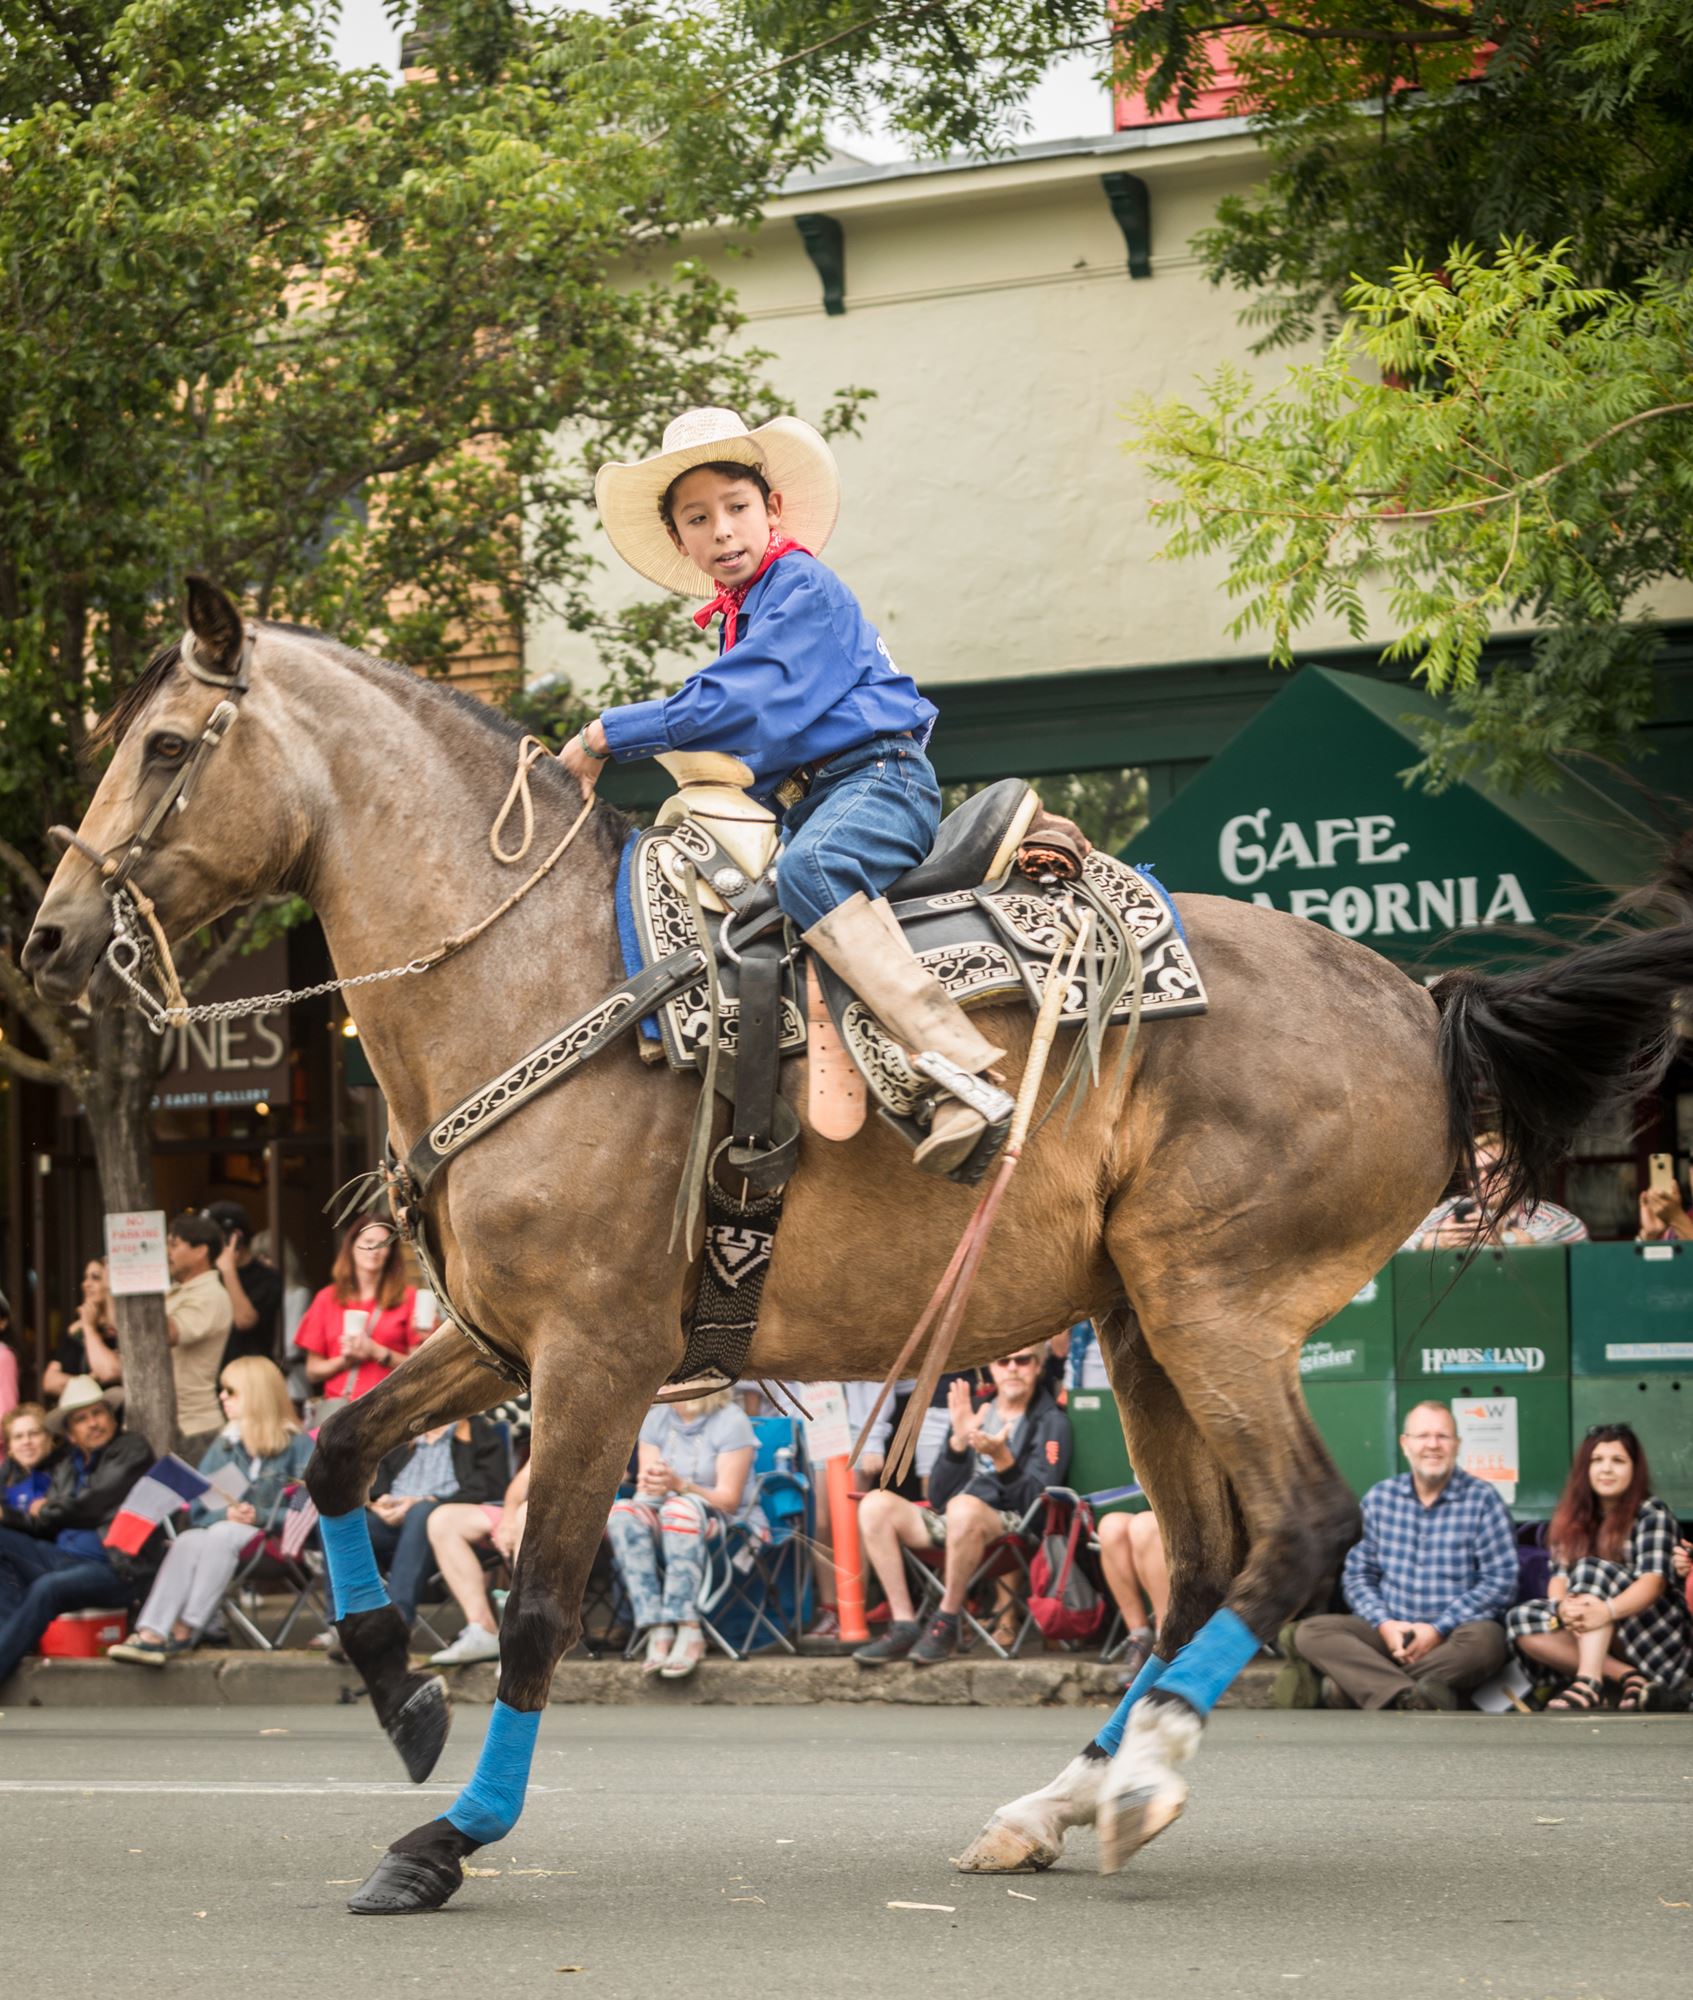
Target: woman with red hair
1612,1612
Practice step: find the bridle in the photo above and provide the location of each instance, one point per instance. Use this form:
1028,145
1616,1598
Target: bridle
139,938
133,914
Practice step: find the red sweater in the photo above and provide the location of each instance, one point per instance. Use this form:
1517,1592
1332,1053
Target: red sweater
320,1332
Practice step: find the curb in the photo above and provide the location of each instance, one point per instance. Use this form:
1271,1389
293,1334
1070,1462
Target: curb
246,1680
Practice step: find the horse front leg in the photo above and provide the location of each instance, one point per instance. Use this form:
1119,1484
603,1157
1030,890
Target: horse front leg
584,1431
442,1382
1204,1546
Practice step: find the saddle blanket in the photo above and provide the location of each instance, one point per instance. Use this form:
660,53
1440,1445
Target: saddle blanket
983,944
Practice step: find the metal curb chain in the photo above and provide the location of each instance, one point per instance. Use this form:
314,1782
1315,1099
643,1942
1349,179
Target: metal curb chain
126,953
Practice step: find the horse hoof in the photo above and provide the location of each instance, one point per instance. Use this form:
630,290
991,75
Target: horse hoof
1127,1822
1003,1849
405,1885
419,1732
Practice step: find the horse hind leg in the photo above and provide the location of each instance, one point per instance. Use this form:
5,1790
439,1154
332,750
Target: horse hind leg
1299,1515
1204,1541
582,1442
442,1382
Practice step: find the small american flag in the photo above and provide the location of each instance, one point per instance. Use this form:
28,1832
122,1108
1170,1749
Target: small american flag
297,1524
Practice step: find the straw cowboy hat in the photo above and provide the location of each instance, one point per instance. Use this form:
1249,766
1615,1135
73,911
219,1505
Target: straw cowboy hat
791,455
81,1393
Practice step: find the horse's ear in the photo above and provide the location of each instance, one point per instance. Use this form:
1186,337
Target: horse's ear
215,623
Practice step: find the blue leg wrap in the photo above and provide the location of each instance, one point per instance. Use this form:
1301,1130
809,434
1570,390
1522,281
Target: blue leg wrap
1207,1665
488,1807
1110,1738
353,1575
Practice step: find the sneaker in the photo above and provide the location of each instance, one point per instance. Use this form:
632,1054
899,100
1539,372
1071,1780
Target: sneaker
1134,1656
660,1639
939,1643
685,1655
826,1625
1296,1685
1330,1694
474,1643
1432,1697
143,1652
895,1643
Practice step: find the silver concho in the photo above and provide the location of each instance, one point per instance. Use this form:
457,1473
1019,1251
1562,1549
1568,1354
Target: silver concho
728,881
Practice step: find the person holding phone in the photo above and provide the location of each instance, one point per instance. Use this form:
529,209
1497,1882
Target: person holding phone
1427,1585
254,1287
1663,1215
1464,1220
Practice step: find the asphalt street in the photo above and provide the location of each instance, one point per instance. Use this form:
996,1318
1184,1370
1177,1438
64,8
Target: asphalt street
706,1852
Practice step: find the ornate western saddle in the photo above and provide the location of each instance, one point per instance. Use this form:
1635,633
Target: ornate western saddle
718,985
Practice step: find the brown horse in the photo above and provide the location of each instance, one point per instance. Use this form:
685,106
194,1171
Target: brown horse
1253,1169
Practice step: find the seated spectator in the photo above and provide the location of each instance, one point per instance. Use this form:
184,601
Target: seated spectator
52,1558
26,1457
1434,1573
1612,1611
1084,1360
359,1327
693,1471
1663,1218
457,1530
1131,1553
254,1288
996,1463
1463,1220
465,1461
198,1318
89,1345
264,1443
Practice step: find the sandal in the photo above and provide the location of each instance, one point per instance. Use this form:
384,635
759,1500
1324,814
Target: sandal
1581,1697
1635,1693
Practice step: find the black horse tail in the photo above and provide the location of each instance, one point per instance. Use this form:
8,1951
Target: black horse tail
1536,1054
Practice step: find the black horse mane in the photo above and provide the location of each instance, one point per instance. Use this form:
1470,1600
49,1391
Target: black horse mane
123,714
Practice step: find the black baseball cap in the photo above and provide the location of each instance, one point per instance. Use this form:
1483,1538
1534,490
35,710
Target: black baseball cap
230,1217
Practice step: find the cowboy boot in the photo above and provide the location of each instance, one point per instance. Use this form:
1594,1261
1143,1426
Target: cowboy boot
863,943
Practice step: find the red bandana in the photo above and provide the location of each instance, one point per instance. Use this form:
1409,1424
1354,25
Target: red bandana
729,601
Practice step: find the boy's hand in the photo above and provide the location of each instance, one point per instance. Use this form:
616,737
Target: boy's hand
582,766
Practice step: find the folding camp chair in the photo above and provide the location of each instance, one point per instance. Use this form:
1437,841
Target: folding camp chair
1004,1564
267,1563
760,1582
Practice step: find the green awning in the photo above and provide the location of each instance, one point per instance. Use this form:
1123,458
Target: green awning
1307,810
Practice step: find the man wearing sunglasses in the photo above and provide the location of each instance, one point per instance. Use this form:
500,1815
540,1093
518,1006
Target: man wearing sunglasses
997,1463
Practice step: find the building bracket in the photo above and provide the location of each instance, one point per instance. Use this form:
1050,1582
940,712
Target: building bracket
1131,207
825,245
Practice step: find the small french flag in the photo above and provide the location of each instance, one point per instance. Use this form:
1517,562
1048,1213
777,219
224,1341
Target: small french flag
171,1485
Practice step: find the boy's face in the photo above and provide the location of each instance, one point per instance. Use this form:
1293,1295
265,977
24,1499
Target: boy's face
723,524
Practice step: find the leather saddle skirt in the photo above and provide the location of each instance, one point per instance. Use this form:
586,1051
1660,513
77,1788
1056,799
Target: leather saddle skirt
988,933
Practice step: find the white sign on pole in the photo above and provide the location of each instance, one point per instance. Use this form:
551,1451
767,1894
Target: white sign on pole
1487,1441
828,1433
135,1252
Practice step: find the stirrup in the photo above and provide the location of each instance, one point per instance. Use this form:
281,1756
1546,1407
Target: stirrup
991,1104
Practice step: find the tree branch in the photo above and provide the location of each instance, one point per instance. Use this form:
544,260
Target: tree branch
1401,517
44,1021
30,1068
24,869
221,953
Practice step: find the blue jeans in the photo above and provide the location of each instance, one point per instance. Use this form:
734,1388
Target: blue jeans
38,1580
871,815
405,1555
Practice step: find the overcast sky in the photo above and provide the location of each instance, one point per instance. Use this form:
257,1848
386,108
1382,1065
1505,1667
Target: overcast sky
1070,104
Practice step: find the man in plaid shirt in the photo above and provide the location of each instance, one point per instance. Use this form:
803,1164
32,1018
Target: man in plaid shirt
1434,1574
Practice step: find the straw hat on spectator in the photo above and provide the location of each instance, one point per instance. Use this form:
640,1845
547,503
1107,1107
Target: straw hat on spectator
81,1392
793,458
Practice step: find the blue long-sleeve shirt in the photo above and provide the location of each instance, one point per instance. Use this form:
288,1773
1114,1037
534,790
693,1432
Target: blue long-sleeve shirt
808,677
1442,1565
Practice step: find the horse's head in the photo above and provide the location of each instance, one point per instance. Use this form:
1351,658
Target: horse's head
178,813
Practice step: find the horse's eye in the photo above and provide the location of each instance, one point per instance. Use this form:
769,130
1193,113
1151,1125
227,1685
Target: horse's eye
168,749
